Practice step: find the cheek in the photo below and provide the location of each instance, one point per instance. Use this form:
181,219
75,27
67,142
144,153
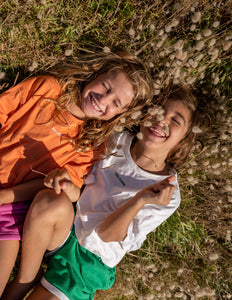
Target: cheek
181,136
185,133
111,113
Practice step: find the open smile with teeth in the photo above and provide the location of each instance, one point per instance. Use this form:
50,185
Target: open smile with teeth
158,132
95,105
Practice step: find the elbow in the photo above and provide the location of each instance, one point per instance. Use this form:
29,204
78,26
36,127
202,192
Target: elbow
103,236
107,237
74,200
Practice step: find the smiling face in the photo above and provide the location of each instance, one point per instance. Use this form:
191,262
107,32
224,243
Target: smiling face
110,94
171,130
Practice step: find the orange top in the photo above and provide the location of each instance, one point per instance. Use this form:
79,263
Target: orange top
30,139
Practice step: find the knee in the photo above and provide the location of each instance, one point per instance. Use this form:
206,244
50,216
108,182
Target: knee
47,204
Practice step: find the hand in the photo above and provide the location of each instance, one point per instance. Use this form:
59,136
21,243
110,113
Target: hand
59,180
159,193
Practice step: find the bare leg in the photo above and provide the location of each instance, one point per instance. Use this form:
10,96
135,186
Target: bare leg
40,293
8,254
47,224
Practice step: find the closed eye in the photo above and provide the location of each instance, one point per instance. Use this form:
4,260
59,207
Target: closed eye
116,103
176,121
106,86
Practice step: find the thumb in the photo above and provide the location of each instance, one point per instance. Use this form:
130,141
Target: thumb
169,179
157,186
67,185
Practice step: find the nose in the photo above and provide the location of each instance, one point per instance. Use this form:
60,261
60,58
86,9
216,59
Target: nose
106,99
164,121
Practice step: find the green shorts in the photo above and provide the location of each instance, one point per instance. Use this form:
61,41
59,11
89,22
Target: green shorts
74,273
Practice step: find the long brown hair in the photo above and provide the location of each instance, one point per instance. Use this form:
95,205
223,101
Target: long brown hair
182,93
75,77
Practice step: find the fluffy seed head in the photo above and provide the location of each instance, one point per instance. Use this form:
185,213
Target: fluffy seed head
212,42
193,27
207,32
181,55
152,27
156,92
106,49
196,17
213,256
165,129
68,52
227,45
2,75
131,32
200,45
147,124
118,128
216,80
34,65
179,45
135,115
153,110
216,24
159,117
196,129
213,51
198,37
140,135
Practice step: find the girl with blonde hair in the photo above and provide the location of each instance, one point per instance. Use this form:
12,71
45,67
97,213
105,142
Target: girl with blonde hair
60,121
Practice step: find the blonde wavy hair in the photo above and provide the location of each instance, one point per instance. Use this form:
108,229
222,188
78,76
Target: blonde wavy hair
74,78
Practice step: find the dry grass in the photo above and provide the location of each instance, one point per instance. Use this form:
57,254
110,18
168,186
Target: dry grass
188,257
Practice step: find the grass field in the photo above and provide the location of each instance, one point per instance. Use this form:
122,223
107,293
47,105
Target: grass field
189,256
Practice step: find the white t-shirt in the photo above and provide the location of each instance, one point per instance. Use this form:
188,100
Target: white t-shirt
111,183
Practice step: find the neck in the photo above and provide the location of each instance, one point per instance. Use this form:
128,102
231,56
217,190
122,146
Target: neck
150,160
76,112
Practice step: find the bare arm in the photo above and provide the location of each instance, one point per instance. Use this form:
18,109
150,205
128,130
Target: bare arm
115,226
60,181
21,192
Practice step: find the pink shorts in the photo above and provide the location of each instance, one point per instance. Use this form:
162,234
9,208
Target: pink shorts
12,217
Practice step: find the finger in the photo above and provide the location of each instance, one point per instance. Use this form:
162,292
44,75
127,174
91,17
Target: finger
171,191
66,186
165,195
49,178
168,194
159,185
57,186
48,182
155,186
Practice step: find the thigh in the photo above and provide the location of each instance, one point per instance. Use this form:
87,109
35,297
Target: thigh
40,293
50,211
8,254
